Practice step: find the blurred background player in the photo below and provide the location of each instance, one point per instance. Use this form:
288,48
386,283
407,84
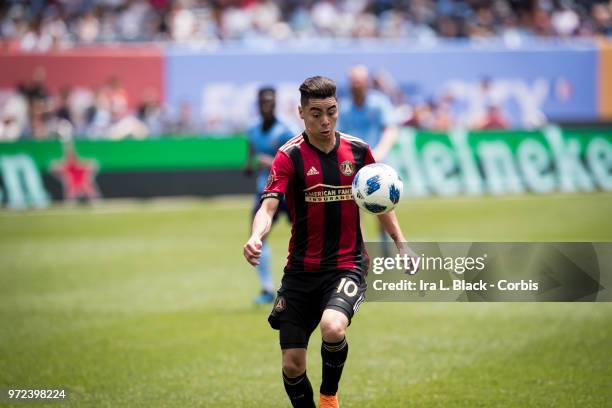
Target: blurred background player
265,137
369,115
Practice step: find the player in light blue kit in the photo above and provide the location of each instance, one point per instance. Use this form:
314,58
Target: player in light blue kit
265,137
368,115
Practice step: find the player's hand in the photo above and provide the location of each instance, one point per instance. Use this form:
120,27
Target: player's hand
252,250
404,249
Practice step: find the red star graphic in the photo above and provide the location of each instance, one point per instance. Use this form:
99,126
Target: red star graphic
77,176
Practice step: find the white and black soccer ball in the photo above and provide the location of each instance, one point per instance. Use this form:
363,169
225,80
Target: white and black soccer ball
377,188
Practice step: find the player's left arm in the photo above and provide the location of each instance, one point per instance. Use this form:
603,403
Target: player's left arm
390,224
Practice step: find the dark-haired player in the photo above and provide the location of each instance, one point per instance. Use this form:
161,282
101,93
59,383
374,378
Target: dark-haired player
265,137
324,279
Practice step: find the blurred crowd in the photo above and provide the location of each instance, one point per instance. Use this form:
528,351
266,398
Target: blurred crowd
41,25
484,111
31,111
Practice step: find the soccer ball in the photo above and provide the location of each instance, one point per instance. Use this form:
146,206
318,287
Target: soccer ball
377,188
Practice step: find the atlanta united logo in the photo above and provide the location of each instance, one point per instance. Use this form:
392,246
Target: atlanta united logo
347,168
279,306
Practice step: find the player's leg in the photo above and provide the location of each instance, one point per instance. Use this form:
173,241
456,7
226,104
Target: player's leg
344,297
293,341
334,351
292,317
296,382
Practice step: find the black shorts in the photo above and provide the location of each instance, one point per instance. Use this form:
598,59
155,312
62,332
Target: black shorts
303,296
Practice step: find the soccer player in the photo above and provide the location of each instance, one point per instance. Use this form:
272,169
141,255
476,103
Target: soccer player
368,115
324,279
265,137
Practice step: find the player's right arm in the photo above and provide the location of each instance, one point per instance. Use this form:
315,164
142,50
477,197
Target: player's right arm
249,166
264,160
261,226
280,175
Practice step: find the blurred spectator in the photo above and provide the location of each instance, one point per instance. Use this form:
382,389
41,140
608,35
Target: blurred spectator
88,27
182,22
601,23
443,113
422,116
98,116
494,118
63,110
40,119
35,39
150,112
13,115
36,89
38,105
485,95
184,122
9,129
117,97
565,20
128,126
131,19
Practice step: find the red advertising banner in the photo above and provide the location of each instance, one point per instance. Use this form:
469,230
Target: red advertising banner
139,70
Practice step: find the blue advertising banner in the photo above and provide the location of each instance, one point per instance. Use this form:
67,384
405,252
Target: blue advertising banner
533,84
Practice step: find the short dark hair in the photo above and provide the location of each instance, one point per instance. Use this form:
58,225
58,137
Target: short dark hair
317,87
266,89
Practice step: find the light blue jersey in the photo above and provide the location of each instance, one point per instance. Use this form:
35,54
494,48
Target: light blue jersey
368,121
267,142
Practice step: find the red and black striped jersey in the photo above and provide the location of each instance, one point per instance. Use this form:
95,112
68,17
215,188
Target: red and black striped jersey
326,232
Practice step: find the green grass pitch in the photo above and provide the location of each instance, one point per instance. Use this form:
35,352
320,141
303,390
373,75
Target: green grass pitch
148,304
